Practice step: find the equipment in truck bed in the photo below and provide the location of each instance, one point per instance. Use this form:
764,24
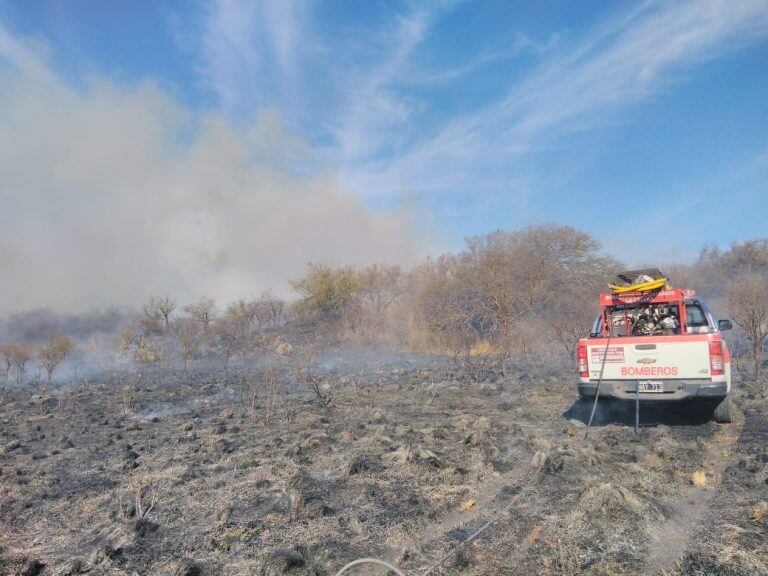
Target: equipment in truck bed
661,312
645,280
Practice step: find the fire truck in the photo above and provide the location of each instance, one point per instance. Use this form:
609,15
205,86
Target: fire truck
662,344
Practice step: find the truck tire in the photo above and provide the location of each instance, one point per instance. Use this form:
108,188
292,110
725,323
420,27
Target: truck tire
723,410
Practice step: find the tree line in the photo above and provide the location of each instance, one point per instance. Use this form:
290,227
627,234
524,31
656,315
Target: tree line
506,297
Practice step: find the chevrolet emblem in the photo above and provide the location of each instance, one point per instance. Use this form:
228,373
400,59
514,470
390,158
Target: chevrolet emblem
647,361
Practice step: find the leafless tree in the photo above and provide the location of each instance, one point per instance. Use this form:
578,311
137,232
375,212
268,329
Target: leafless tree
53,352
157,314
203,311
6,351
129,391
748,306
270,311
143,347
188,334
21,354
519,272
141,499
270,384
306,370
226,339
243,317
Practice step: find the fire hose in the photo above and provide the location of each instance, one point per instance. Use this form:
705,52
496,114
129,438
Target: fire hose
531,474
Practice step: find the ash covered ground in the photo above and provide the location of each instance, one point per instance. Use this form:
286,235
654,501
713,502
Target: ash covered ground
173,472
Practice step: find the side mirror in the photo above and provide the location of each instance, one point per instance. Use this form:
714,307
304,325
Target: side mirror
724,325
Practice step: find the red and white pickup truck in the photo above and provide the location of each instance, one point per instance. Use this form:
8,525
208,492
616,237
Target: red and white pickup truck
665,345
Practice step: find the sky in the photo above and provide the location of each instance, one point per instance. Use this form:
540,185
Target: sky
217,146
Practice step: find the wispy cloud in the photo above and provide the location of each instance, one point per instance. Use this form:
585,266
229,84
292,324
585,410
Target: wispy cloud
583,84
248,51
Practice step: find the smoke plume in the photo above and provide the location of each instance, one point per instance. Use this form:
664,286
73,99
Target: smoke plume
110,193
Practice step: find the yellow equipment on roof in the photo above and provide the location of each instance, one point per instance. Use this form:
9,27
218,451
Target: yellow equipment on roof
648,286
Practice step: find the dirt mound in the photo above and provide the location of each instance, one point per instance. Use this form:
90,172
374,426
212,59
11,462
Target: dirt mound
611,502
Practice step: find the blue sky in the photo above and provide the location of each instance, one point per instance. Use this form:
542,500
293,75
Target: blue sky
643,123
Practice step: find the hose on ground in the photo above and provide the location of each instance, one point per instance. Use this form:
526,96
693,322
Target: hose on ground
597,389
389,566
530,474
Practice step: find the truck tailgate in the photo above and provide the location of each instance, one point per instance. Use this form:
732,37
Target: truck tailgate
657,358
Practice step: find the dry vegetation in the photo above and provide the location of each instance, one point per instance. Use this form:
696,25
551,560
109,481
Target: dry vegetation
385,412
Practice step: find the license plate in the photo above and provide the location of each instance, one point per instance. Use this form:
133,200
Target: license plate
650,386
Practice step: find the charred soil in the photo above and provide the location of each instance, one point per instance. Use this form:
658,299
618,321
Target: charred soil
189,475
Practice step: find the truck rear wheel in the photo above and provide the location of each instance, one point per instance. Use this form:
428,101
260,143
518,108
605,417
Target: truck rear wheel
723,411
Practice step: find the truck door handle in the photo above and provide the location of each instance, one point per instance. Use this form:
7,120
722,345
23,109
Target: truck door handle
645,346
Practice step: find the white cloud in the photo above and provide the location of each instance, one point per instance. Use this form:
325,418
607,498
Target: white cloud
110,193
622,61
249,51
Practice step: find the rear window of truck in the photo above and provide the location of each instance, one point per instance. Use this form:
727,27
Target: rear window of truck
696,316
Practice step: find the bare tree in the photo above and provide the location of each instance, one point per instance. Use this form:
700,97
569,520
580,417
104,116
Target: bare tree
141,499
306,370
143,347
129,391
748,305
569,319
21,354
53,352
243,317
203,311
521,272
157,314
226,339
6,351
270,311
188,334
270,383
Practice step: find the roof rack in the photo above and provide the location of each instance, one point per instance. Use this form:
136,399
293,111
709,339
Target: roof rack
629,277
656,297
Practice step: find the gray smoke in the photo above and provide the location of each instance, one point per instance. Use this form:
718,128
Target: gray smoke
109,194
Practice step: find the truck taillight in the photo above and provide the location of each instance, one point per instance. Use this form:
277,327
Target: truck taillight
581,354
716,357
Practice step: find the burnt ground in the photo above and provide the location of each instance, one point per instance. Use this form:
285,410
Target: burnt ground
174,474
